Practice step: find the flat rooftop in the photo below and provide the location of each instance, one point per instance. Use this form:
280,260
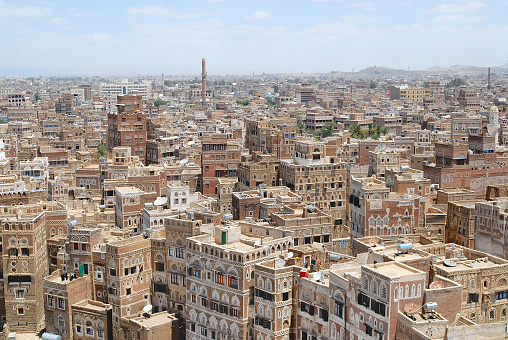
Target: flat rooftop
154,319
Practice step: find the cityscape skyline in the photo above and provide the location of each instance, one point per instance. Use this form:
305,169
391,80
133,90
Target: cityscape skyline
237,37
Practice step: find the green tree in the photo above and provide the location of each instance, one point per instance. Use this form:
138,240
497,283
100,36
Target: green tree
2,121
244,102
380,130
101,151
158,102
356,131
373,85
275,89
270,101
326,130
300,127
455,83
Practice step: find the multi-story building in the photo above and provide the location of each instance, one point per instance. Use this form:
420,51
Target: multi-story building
25,263
219,158
312,175
259,169
128,279
382,161
127,87
469,99
491,220
92,319
374,210
221,276
460,223
128,205
127,127
60,293
276,136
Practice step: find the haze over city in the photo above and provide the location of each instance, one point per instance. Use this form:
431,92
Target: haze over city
253,170
241,37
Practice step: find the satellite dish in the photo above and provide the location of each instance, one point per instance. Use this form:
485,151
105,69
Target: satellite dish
374,240
290,254
317,276
411,308
147,308
280,263
436,285
449,263
380,147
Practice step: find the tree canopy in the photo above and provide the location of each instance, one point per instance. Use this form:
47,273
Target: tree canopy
455,82
357,132
101,151
158,102
244,102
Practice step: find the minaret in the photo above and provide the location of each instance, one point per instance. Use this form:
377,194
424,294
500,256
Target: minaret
488,80
203,82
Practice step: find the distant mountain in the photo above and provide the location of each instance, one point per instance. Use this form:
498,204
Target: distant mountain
460,70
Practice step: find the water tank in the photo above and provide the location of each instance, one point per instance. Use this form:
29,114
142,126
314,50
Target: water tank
71,224
334,257
227,217
404,167
50,336
404,246
430,306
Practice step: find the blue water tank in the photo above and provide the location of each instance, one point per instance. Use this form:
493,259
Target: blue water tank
430,306
404,246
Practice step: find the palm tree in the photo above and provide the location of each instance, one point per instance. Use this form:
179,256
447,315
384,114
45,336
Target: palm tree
356,131
380,130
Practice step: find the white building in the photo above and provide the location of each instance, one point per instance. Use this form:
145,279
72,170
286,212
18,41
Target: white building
36,169
127,86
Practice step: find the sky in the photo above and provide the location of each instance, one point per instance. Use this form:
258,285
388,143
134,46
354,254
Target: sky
124,37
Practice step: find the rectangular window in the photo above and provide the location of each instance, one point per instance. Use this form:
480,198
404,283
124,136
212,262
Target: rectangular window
233,282
219,278
89,331
79,329
20,293
61,303
180,253
473,297
51,301
175,279
159,267
158,288
112,271
128,291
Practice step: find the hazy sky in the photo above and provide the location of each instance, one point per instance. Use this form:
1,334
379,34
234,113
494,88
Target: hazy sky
241,37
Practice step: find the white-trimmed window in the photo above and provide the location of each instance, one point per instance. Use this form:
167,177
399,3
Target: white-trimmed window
89,331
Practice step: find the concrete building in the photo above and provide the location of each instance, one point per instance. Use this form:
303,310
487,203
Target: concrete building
127,87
